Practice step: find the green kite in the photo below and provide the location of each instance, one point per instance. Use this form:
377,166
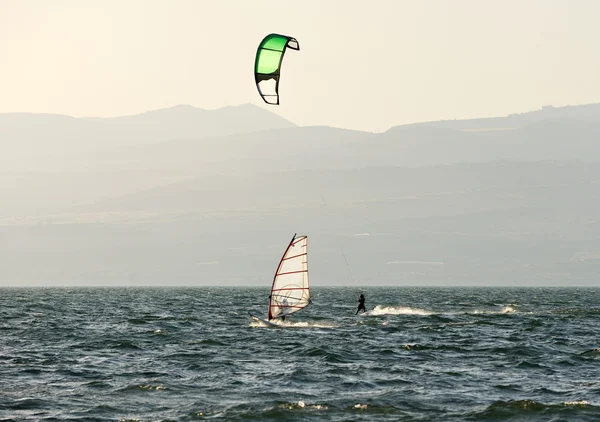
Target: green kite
267,66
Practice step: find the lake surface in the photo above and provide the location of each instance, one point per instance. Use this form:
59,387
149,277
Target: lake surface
419,354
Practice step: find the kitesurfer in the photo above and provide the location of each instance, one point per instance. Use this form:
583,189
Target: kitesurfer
361,304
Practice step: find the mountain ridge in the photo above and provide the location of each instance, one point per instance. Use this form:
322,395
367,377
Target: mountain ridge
588,112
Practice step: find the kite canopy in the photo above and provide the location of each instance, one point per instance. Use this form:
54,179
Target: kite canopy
267,65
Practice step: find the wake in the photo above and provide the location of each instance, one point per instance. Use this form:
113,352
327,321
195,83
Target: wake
381,310
508,309
396,310
292,324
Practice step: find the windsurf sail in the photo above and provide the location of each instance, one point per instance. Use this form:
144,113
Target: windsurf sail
267,65
290,291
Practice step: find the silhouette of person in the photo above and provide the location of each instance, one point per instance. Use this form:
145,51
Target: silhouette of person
285,306
361,304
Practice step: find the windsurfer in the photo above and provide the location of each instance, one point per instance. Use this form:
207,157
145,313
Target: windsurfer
281,308
285,307
361,304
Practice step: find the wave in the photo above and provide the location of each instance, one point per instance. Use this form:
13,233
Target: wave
504,409
26,403
207,342
302,405
505,310
436,347
292,324
396,310
127,344
508,309
381,310
593,352
137,387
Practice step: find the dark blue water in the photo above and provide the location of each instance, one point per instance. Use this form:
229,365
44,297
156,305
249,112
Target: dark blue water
420,354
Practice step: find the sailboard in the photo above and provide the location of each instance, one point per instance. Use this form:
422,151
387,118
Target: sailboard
290,291
262,321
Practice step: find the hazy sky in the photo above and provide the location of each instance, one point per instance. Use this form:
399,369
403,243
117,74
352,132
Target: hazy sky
363,64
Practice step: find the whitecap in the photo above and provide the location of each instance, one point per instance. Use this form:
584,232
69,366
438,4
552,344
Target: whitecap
397,310
305,324
292,324
576,403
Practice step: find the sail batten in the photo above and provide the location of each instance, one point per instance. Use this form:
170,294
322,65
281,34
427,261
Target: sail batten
295,256
290,291
293,272
297,288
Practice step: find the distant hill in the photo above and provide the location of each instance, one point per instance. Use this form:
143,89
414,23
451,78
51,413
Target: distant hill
553,139
371,185
249,138
313,148
278,149
50,141
185,121
587,112
486,223
190,196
